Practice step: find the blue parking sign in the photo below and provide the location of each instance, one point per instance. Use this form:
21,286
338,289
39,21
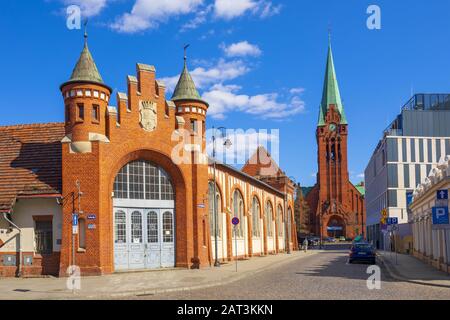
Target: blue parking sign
440,215
392,221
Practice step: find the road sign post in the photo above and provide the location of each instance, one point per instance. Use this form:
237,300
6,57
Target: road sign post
235,221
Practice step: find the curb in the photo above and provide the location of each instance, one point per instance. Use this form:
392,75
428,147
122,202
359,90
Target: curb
149,292
393,272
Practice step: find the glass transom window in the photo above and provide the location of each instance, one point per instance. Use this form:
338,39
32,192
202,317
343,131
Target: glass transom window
143,180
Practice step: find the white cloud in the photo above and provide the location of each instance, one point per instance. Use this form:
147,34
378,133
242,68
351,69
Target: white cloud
229,9
89,8
203,77
241,49
361,176
297,90
200,18
225,98
147,14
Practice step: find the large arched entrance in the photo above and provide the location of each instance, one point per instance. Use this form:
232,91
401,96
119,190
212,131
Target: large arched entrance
336,227
143,217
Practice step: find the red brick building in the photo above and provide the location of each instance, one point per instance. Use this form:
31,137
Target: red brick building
138,180
337,206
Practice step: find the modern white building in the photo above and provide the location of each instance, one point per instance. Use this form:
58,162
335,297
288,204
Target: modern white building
410,148
431,244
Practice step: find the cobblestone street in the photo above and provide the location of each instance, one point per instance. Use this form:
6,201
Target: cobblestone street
325,275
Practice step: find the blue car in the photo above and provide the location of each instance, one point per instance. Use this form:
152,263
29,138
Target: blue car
362,252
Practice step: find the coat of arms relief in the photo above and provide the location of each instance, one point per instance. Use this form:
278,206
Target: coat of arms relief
147,115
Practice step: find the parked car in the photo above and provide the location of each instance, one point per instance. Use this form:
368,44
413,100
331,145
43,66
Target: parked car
342,239
363,252
331,239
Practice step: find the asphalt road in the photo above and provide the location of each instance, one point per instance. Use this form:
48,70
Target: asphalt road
325,275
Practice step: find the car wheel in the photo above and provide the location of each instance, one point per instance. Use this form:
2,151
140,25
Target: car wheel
350,261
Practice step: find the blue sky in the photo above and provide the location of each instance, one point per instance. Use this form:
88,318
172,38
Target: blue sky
259,63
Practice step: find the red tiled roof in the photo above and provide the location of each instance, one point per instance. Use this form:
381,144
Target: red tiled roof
261,164
30,161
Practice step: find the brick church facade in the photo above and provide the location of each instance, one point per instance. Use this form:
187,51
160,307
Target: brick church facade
336,205
134,180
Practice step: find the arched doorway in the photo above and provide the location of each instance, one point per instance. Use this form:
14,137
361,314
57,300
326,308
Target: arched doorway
143,217
336,227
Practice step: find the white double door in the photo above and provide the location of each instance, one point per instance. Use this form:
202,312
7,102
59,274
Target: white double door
144,238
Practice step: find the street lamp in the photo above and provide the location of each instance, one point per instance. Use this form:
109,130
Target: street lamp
227,144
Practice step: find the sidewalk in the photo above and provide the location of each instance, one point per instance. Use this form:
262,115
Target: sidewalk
142,283
408,268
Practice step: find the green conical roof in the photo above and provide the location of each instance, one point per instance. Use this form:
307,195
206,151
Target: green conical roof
185,89
331,94
85,70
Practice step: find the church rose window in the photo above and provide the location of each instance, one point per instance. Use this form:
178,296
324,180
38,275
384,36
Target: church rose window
143,180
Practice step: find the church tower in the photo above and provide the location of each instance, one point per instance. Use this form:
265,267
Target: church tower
337,206
331,137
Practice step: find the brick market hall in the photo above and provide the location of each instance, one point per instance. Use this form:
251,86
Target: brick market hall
134,182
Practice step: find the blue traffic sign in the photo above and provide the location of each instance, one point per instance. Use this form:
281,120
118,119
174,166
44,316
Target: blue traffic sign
392,221
235,221
74,219
442,195
440,215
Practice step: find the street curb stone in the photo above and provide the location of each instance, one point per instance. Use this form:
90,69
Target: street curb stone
393,272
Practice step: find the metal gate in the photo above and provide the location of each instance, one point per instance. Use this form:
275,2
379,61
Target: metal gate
144,238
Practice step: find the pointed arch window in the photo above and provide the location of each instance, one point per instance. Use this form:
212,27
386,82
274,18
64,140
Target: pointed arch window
238,211
256,218
269,219
215,213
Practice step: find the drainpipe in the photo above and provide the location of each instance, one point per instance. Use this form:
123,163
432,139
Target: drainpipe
19,274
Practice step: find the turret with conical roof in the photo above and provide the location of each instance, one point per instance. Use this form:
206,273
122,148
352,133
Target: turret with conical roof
189,105
86,99
331,94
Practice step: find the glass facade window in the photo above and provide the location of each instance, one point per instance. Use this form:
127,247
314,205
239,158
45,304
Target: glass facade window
80,111
136,227
392,176
406,176
429,150
418,175
421,151
96,113
413,150
404,155
438,150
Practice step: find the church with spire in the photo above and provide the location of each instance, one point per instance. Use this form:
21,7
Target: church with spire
116,188
336,205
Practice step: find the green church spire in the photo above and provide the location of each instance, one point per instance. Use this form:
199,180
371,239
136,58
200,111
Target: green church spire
331,94
185,89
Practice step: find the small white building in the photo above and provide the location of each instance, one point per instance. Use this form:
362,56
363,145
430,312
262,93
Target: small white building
430,244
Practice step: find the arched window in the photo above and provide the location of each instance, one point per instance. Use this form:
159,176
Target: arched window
218,210
120,235
167,227
143,180
269,219
256,218
136,227
152,227
238,211
280,221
